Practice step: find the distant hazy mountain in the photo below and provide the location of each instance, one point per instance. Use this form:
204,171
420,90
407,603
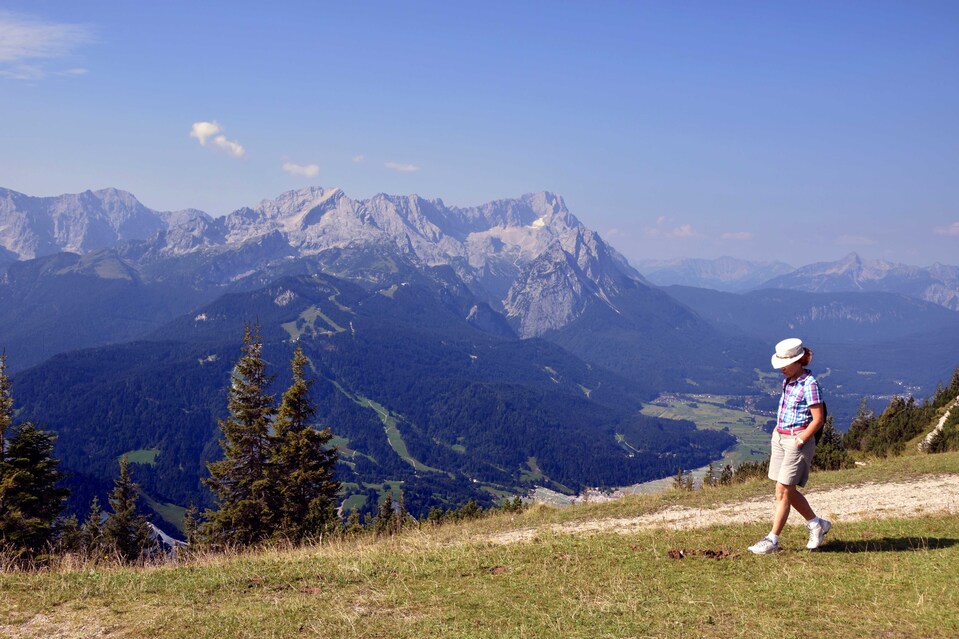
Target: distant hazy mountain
938,284
77,223
721,274
865,317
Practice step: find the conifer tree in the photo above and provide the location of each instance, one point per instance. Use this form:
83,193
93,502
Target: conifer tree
861,429
354,526
6,408
30,499
241,481
303,464
709,478
69,535
400,518
831,454
92,530
191,524
470,510
678,479
384,515
726,476
126,532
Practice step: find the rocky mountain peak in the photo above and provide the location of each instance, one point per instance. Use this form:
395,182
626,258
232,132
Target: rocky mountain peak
577,269
35,226
852,273
499,249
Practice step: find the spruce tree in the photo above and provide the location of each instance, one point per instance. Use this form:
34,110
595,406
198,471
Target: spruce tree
384,515
831,454
861,429
678,482
354,526
303,464
69,535
91,532
241,481
191,524
30,499
709,478
726,476
126,532
6,408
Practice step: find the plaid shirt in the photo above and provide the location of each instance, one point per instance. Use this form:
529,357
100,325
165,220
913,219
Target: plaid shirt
798,396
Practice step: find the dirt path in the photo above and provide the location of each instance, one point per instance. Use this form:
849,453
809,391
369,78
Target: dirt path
934,494
924,444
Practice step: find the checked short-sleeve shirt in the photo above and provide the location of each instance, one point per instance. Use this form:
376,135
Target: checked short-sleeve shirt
798,396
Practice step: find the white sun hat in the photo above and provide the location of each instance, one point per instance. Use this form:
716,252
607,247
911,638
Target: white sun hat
788,351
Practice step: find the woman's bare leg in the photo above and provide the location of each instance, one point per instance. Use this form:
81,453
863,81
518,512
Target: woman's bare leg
788,497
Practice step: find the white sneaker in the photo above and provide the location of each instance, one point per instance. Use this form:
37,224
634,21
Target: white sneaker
816,533
764,546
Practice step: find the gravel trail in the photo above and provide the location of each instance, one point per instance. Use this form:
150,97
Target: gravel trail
913,498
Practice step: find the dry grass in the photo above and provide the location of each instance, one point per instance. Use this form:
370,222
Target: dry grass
891,578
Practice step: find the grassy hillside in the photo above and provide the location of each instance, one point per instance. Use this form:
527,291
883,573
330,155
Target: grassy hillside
895,577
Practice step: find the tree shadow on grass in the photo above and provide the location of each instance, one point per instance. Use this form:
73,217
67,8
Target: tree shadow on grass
888,544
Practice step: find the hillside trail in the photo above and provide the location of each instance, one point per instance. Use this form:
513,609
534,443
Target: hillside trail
935,494
924,444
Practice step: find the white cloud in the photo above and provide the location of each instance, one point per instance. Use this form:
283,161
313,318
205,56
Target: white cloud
952,229
358,158
681,231
233,148
306,170
210,132
203,130
23,72
402,168
25,41
737,235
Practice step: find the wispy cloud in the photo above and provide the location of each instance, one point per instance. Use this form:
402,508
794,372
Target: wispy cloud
358,158
739,236
664,229
210,133
952,229
305,170
402,168
26,44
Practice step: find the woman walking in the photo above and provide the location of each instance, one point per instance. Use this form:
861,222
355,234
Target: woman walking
801,414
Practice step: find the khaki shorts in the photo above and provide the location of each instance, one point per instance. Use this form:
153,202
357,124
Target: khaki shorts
789,465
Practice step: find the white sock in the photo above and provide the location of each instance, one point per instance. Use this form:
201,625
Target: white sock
773,537
815,521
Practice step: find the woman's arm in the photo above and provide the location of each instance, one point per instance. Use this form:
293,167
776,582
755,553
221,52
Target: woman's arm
818,418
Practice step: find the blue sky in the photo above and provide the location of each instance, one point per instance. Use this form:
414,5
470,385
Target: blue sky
792,131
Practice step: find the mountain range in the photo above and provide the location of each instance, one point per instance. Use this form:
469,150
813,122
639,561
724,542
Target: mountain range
458,352
938,283
727,274
461,353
